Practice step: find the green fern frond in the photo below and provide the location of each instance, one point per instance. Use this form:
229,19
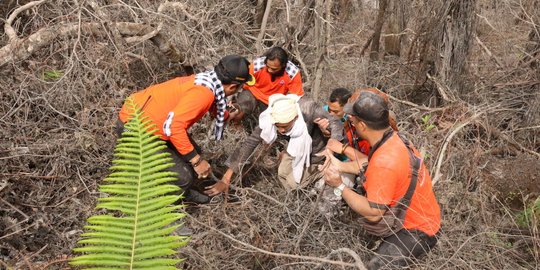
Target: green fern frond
136,232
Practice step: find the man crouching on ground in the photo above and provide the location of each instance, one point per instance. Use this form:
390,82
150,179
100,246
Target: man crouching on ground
399,204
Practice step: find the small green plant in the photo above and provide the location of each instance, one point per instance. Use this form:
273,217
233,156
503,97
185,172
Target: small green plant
426,123
52,75
136,231
530,217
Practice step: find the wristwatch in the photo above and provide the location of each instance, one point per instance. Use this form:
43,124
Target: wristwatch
339,190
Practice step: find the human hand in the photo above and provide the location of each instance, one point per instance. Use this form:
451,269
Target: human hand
332,176
217,188
330,160
221,185
203,169
323,124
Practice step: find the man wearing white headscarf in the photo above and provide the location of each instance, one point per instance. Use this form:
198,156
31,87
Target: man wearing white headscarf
283,115
295,118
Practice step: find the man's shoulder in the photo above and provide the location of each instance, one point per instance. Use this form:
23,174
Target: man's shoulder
258,64
391,154
291,70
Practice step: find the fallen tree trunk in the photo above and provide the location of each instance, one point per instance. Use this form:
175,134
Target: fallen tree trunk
21,48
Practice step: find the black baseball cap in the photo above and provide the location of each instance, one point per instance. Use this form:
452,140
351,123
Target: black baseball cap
234,69
368,107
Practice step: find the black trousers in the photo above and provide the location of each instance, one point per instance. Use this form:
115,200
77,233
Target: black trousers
186,175
398,250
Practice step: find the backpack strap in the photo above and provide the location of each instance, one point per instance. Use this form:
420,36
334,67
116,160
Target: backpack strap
415,163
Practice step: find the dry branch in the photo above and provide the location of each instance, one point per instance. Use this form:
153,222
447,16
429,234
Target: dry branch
21,49
357,259
420,107
8,28
513,143
437,174
488,52
444,91
292,256
258,43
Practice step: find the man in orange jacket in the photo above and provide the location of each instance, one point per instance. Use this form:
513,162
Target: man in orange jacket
274,74
175,105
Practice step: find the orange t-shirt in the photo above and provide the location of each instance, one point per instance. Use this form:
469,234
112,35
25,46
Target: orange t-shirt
363,145
288,83
387,178
173,106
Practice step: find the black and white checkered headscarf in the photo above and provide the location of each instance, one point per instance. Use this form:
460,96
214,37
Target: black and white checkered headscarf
210,80
291,69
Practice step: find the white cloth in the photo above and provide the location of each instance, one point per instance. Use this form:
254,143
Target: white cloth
300,141
284,111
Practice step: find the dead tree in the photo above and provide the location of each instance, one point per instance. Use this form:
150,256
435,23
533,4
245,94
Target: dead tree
375,42
322,32
533,46
441,46
454,44
300,25
260,7
394,28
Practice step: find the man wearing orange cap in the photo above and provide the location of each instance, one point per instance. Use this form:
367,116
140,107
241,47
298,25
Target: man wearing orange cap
175,105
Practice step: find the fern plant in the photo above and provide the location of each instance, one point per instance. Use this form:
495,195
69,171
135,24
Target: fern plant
136,231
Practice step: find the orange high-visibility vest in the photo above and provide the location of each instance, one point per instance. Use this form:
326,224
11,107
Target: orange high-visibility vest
173,106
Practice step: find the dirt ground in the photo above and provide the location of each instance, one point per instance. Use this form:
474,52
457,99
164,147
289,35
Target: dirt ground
58,108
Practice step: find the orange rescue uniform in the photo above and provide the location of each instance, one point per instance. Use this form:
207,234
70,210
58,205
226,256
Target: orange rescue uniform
173,106
387,178
288,83
361,145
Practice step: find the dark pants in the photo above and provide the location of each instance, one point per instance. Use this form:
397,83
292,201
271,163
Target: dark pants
398,250
186,174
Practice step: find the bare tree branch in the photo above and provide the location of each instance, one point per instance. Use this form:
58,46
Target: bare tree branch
23,48
258,43
10,32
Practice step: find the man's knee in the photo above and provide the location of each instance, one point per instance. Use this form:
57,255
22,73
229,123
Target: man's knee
401,248
388,254
186,174
285,173
119,128
287,179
